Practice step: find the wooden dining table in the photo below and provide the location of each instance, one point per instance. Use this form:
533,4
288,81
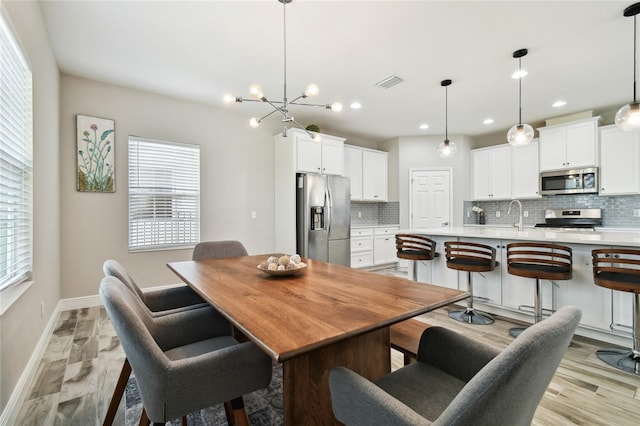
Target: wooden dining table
323,316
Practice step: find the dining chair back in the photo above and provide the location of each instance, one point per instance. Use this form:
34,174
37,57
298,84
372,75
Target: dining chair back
218,250
459,381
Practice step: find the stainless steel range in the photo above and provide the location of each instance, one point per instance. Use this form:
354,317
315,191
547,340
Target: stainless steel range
572,219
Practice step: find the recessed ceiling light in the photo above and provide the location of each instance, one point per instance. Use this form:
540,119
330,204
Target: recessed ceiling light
356,105
488,121
519,74
558,104
424,126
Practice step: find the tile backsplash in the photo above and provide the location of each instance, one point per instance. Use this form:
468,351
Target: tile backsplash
617,212
375,213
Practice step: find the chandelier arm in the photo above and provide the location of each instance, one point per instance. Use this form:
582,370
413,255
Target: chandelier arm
268,114
311,135
277,108
313,105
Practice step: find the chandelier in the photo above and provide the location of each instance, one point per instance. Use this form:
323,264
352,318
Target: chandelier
257,95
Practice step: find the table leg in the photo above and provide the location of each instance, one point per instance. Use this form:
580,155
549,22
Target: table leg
307,400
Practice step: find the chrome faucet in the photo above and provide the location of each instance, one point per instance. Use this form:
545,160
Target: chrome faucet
518,224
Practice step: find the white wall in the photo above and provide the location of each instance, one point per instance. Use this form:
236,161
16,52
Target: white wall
421,151
237,175
22,324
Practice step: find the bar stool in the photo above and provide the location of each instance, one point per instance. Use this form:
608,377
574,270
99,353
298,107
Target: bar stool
470,257
619,269
416,248
541,261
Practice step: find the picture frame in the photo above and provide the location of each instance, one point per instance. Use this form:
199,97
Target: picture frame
95,154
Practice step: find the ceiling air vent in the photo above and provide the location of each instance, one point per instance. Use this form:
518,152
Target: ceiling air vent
390,81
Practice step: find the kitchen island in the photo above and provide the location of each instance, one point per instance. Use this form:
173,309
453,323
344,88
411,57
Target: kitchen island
501,293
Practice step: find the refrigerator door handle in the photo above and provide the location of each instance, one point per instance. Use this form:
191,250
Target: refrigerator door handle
329,203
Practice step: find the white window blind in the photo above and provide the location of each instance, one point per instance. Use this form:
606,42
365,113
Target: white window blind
16,162
164,194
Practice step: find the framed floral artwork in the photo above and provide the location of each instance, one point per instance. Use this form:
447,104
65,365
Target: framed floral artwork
95,154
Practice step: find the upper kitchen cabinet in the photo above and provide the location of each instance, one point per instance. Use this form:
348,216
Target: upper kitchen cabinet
525,171
367,169
326,157
619,161
569,145
492,173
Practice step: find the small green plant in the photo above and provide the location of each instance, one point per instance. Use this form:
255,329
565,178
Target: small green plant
313,128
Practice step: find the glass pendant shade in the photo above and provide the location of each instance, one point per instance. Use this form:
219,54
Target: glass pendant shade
447,149
520,134
628,117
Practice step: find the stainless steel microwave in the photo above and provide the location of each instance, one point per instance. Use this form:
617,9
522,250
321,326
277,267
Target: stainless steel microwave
575,181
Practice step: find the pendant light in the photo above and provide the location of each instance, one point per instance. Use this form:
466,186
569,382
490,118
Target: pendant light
628,117
446,149
520,134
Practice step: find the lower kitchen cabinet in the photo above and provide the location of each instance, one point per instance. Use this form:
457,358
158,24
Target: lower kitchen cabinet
435,271
373,246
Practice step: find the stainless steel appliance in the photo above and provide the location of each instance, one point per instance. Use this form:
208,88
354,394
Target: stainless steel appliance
575,181
572,219
323,217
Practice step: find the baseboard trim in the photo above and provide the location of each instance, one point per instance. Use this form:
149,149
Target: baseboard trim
12,409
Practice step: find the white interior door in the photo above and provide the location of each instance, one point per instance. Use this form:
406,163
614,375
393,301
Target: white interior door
430,198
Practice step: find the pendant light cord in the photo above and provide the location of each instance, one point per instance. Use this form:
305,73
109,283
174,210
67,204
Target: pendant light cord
446,113
634,59
520,91
284,20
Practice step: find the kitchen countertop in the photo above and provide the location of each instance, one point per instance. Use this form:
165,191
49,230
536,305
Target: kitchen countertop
623,237
391,225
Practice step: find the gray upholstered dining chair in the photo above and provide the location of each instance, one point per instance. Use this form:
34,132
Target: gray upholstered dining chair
159,302
218,250
185,361
459,381
162,301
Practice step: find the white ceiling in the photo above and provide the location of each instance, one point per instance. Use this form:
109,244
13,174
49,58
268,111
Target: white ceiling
579,51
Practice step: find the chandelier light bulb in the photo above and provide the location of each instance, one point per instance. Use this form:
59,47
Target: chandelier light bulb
317,138
336,107
254,122
520,134
256,91
312,90
229,98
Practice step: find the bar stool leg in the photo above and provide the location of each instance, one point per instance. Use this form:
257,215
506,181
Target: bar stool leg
537,310
626,360
469,315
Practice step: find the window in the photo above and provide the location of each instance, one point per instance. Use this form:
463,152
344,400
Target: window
16,162
164,194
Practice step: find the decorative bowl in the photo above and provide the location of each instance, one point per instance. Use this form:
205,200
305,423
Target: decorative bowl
301,268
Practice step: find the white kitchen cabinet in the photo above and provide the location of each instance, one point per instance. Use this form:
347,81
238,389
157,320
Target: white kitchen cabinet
384,245
619,161
353,170
569,145
525,171
367,169
361,247
374,175
581,291
326,157
492,173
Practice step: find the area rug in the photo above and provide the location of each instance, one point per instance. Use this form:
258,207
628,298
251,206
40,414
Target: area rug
264,407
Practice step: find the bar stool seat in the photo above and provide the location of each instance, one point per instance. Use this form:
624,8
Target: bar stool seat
470,257
541,261
619,269
415,247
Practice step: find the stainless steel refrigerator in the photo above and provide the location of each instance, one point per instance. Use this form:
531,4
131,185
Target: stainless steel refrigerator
323,217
